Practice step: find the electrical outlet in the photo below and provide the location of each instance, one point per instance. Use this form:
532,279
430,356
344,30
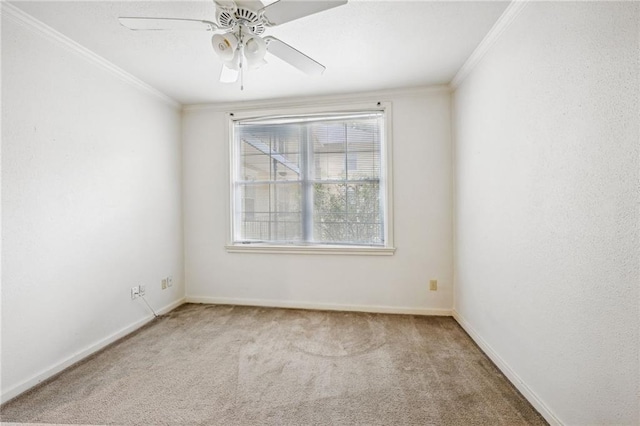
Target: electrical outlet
433,285
142,290
135,292
170,281
164,283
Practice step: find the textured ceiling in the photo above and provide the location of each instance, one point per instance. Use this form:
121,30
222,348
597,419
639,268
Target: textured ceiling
365,45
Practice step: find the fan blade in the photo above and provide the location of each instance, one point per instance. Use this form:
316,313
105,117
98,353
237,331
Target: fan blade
160,24
293,56
226,4
228,75
284,11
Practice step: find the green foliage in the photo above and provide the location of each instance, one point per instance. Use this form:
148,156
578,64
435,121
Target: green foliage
347,212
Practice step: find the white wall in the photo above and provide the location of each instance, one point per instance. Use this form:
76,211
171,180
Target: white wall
91,195
547,170
422,228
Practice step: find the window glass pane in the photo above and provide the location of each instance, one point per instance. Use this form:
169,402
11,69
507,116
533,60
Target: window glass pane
329,212
363,165
329,166
269,153
270,212
328,136
347,213
363,149
254,164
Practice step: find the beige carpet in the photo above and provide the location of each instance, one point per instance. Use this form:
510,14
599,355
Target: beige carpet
225,365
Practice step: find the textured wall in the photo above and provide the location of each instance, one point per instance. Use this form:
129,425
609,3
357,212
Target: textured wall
547,171
91,194
422,226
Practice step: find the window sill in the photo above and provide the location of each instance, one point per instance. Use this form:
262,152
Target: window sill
283,249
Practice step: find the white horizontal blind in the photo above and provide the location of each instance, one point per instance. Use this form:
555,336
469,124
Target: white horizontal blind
313,179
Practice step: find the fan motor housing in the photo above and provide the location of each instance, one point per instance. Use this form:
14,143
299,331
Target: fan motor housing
228,18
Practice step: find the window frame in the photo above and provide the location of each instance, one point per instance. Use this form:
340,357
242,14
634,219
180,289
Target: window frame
386,177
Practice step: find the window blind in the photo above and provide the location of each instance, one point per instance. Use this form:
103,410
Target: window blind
314,179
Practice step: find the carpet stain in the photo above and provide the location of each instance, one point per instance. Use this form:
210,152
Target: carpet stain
338,335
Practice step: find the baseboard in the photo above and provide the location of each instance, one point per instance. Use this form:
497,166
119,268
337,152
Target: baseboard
267,303
171,306
508,372
79,356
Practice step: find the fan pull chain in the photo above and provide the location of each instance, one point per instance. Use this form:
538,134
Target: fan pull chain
241,47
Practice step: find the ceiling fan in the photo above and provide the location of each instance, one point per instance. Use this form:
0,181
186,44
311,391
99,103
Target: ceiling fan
238,33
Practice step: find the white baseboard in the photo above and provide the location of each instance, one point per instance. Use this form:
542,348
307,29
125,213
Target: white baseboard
52,371
267,303
508,372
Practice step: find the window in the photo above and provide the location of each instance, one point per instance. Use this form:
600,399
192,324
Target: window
311,182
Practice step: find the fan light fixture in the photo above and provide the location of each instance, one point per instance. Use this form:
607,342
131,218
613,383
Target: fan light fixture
238,51
224,45
254,50
227,47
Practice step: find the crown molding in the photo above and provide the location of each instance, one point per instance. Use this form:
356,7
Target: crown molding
507,17
29,22
378,95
